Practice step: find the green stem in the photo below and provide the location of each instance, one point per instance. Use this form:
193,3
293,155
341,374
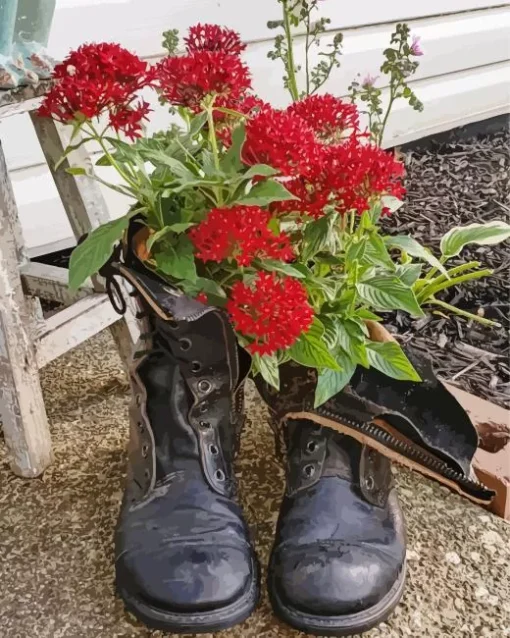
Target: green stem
99,139
434,288
291,69
307,50
388,111
214,146
463,313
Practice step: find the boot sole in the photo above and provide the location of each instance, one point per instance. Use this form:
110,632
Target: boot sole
194,623
344,625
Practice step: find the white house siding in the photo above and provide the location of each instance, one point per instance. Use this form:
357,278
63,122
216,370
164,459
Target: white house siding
464,75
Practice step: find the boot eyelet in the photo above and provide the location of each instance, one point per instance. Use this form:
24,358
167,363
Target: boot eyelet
173,325
185,344
138,400
311,446
369,483
220,475
204,425
196,366
213,450
145,449
141,426
204,386
203,408
147,474
309,471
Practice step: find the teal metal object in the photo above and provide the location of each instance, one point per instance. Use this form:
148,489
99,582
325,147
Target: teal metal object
25,27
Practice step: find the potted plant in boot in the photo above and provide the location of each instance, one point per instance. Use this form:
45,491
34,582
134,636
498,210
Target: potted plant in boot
256,243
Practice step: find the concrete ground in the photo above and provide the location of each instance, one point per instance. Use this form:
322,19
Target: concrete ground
56,553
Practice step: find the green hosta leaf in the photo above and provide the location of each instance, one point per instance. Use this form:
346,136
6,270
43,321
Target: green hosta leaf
331,382
178,260
415,249
409,273
389,293
231,161
88,257
315,237
272,265
389,358
266,192
267,365
482,234
263,170
310,349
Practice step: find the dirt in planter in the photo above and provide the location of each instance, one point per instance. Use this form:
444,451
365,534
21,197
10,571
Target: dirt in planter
456,183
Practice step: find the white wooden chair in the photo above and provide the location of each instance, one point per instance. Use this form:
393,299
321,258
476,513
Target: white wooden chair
28,341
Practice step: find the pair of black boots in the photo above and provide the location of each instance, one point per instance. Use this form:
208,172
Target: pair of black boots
184,559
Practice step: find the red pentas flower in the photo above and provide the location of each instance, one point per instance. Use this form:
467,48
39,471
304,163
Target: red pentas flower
186,80
281,139
274,312
97,79
347,177
212,37
329,116
240,233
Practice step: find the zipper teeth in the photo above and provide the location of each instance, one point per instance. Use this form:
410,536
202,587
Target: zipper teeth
410,452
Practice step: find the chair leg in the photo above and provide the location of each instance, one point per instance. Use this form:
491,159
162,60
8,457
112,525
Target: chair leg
22,411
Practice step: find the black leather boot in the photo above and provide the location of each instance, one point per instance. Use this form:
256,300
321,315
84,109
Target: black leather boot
338,562
184,561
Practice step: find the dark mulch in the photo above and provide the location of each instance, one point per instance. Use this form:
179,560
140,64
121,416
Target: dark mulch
451,183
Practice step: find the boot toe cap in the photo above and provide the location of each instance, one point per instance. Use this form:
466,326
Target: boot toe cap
334,580
186,579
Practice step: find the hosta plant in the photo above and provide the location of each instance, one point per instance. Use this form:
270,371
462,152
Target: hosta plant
275,215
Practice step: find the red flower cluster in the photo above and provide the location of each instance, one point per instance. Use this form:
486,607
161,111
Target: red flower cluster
96,79
282,140
212,37
274,312
186,80
328,116
347,177
240,233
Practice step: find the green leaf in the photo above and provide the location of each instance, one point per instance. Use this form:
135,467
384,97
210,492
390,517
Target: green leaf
267,365
364,314
331,382
315,237
197,124
272,265
179,227
261,169
481,234
266,192
352,340
178,261
390,359
180,170
88,257
415,249
231,161
330,336
76,170
409,273
389,293
376,252
310,350
355,252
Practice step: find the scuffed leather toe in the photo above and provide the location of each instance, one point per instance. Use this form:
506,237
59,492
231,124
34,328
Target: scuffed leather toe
188,578
332,579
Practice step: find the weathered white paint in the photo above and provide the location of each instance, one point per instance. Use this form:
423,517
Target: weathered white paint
51,283
463,77
74,325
